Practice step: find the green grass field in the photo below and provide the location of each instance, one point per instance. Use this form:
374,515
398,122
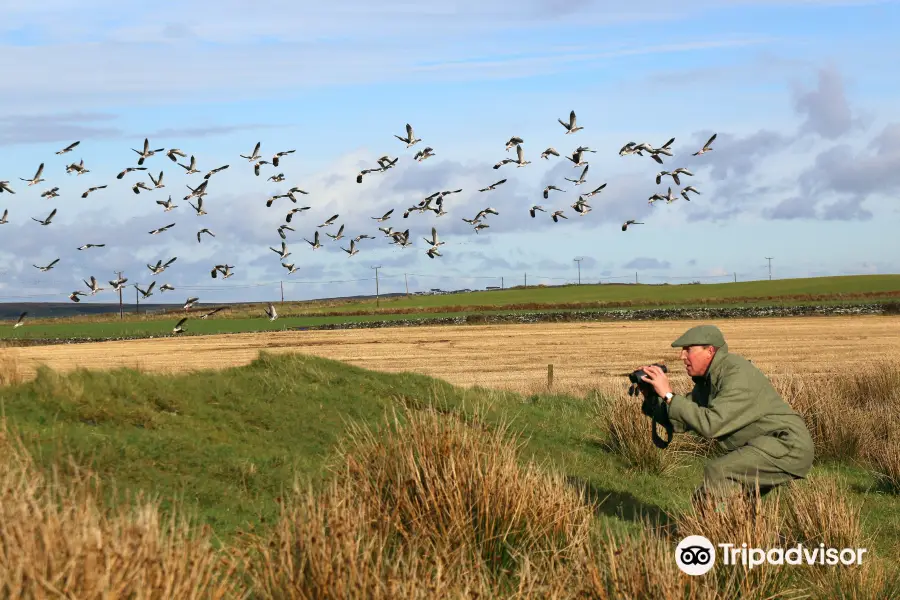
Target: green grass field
229,442
244,318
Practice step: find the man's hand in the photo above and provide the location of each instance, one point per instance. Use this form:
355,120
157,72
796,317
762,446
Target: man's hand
659,380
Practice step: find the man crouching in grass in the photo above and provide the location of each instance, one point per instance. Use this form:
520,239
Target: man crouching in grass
734,403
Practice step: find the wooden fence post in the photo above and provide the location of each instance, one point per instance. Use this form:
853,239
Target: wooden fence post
550,375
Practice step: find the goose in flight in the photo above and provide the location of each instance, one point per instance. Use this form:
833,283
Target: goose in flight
277,178
410,139
147,152
338,235
493,186
47,220
145,293
161,229
520,154
213,311
557,215
197,192
386,162
296,190
434,239
570,126
129,170
480,226
630,222
359,177
21,319
276,158
4,187
595,191
423,154
352,249
387,231
283,253
140,185
290,214
4,220
214,171
551,187
46,268
69,148
74,295
77,168
37,176
432,252
290,268
51,193
581,207
272,199
315,244
179,327
707,147
94,286
199,207
254,155
166,287
173,152
485,212
330,221
581,179
167,204
118,284
383,217
281,229
189,303
190,168
92,189
681,171
576,158
514,141
536,207
270,312
363,236
86,246
546,153
258,164
160,267
157,182
225,270
690,188
206,231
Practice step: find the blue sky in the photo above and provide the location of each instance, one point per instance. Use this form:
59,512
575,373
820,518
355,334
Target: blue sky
801,94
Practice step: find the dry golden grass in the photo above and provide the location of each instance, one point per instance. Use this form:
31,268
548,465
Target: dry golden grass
56,541
513,357
10,368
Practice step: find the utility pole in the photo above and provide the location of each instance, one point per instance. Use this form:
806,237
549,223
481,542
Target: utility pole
578,260
282,291
735,277
405,280
121,310
635,277
501,283
526,279
769,258
377,299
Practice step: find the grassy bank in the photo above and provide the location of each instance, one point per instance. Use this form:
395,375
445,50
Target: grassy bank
558,484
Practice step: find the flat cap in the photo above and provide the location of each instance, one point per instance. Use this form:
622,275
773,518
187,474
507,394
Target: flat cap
701,335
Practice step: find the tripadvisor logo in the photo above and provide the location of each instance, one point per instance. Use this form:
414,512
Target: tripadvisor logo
696,555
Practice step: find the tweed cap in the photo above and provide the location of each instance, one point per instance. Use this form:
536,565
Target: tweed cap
701,335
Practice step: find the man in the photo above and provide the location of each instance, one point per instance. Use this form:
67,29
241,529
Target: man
734,403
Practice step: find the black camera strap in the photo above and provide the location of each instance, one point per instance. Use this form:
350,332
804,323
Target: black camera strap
660,443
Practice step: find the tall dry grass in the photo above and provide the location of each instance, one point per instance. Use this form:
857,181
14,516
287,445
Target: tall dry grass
10,369
56,541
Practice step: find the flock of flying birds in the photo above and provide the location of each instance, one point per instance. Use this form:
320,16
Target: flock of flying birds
433,202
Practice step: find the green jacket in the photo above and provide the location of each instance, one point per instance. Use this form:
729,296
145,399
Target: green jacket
736,404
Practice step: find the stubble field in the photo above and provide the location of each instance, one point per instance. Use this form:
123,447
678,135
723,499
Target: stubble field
510,357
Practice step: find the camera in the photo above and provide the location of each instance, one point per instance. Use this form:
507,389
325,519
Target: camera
636,379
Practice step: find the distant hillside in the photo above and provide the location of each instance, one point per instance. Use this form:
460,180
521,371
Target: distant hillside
12,310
